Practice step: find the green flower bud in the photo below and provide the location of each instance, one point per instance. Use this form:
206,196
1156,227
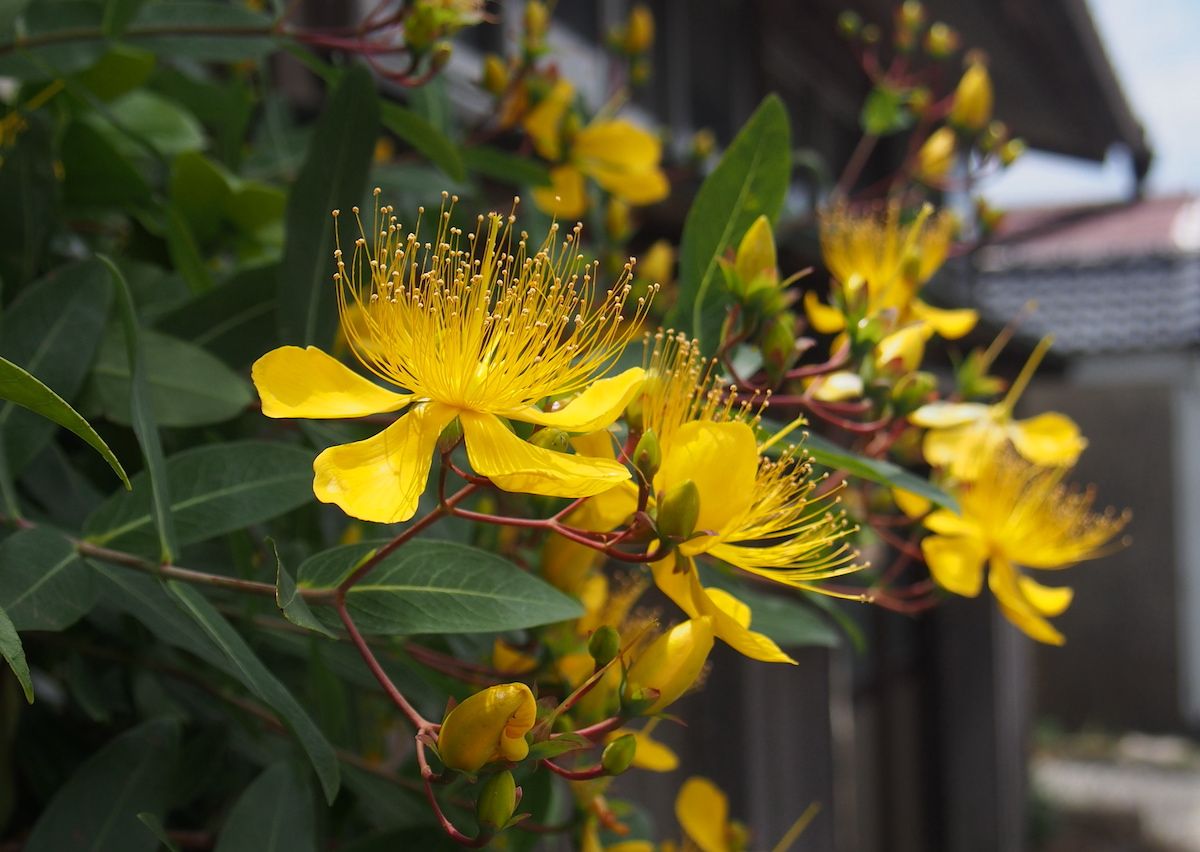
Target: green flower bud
497,801
941,41
678,511
647,455
1011,151
440,55
778,346
618,755
550,438
849,24
605,644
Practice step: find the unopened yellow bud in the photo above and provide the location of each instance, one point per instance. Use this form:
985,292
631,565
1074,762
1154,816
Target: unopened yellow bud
678,510
647,455
489,725
911,14
639,31
497,801
537,20
616,220
995,135
704,142
756,253
495,74
936,156
657,264
618,755
671,664
849,24
550,438
919,100
440,55
972,99
605,644
1011,151
941,40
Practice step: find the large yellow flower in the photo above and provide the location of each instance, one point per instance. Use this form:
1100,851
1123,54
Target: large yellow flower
879,264
621,157
1016,514
471,327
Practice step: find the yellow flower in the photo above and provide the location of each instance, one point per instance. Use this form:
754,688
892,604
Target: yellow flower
639,30
489,725
972,99
936,156
511,661
703,814
621,157
962,434
879,265
473,328
671,663
1016,514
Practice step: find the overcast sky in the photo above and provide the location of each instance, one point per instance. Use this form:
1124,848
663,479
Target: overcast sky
1155,47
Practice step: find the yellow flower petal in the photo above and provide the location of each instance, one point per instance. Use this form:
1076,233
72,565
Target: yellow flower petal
1049,439
606,511
945,522
514,465
382,478
955,563
703,813
1048,600
295,382
943,415
637,188
941,447
509,661
905,347
838,386
544,121
913,505
616,144
566,196
598,406
1003,581
651,754
948,323
822,317
721,459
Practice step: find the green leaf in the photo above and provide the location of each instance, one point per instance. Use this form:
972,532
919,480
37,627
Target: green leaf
234,320
511,169
10,10
144,425
97,810
59,38
424,137
184,252
19,386
884,112
260,681
118,14
199,191
96,173
438,587
385,804
273,814
52,330
186,386
30,190
119,71
790,622
155,827
334,175
14,654
751,180
159,121
214,489
289,600
829,454
210,31
44,585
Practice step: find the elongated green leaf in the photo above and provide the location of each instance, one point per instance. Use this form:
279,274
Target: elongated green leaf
184,251
273,814
829,454
334,175
60,38
214,489
289,600
185,385
44,585
439,587
260,681
424,137
511,169
751,180
97,810
385,804
14,654
31,191
234,320
212,31
154,826
96,173
142,418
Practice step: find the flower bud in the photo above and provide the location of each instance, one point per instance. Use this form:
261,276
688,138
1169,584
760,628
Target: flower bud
605,644
911,14
616,220
871,34
704,142
778,345
671,663
678,511
1011,151
972,99
537,21
936,156
489,725
497,801
647,455
550,438
619,754
849,24
639,31
440,55
756,253
941,40
495,74
913,390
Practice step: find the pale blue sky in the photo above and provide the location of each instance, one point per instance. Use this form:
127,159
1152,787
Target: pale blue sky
1155,47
